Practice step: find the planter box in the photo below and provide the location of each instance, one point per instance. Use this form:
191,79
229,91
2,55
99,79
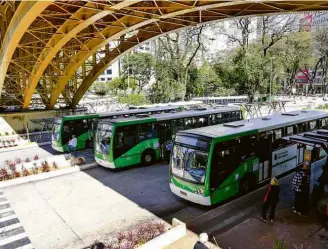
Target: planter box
60,161
177,232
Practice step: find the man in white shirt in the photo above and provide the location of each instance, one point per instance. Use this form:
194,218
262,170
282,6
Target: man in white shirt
72,145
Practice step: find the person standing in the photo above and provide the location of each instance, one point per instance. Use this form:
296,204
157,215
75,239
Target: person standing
301,188
72,144
271,199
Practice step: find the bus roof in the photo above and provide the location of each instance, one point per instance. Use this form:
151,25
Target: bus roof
136,111
217,98
181,114
80,116
110,114
253,126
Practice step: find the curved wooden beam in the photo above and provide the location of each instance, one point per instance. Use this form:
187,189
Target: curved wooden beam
58,41
25,14
83,55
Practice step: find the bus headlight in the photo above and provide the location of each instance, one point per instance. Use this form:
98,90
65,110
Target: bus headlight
200,191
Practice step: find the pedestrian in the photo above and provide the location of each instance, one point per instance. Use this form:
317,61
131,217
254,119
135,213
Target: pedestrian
301,188
72,144
271,199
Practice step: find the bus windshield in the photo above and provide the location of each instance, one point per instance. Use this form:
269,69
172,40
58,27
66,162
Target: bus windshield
56,130
103,136
189,163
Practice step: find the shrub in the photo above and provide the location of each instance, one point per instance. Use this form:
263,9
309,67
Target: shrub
27,160
136,237
35,169
36,157
4,174
12,165
6,133
25,171
13,133
45,166
280,244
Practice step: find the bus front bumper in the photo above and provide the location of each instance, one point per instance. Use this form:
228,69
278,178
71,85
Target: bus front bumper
105,163
196,198
57,148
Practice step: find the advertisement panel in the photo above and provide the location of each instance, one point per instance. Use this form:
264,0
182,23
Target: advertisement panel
284,154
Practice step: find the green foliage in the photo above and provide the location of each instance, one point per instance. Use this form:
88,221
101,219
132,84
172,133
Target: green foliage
280,244
133,99
325,106
100,88
140,67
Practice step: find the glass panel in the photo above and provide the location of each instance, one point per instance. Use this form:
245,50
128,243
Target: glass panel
189,163
146,131
313,125
277,134
55,130
289,130
103,137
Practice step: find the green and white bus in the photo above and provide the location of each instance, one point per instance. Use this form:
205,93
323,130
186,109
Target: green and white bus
82,126
212,164
129,141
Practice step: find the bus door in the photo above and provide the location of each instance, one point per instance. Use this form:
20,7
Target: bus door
264,152
164,131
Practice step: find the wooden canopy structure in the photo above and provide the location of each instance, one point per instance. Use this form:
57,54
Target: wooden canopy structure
59,48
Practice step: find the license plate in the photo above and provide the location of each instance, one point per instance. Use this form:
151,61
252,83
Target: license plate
183,193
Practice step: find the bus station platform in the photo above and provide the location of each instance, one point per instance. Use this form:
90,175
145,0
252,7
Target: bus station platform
238,223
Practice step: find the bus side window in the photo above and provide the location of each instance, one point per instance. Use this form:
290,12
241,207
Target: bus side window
312,125
224,162
188,123
177,125
219,118
146,131
289,130
125,137
212,119
201,122
164,131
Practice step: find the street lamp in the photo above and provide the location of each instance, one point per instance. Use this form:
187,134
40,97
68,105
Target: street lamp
271,75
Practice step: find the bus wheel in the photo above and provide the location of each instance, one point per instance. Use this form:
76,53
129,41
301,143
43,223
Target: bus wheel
148,158
247,184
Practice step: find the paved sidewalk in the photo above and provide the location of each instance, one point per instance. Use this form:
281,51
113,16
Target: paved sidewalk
241,219
12,233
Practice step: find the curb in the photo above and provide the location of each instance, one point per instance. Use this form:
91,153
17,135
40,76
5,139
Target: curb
46,175
209,215
44,143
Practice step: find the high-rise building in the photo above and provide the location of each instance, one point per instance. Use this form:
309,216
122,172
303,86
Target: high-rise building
114,71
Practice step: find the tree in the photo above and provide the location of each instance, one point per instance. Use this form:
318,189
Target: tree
99,88
121,85
180,49
165,88
295,52
133,99
141,67
273,29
